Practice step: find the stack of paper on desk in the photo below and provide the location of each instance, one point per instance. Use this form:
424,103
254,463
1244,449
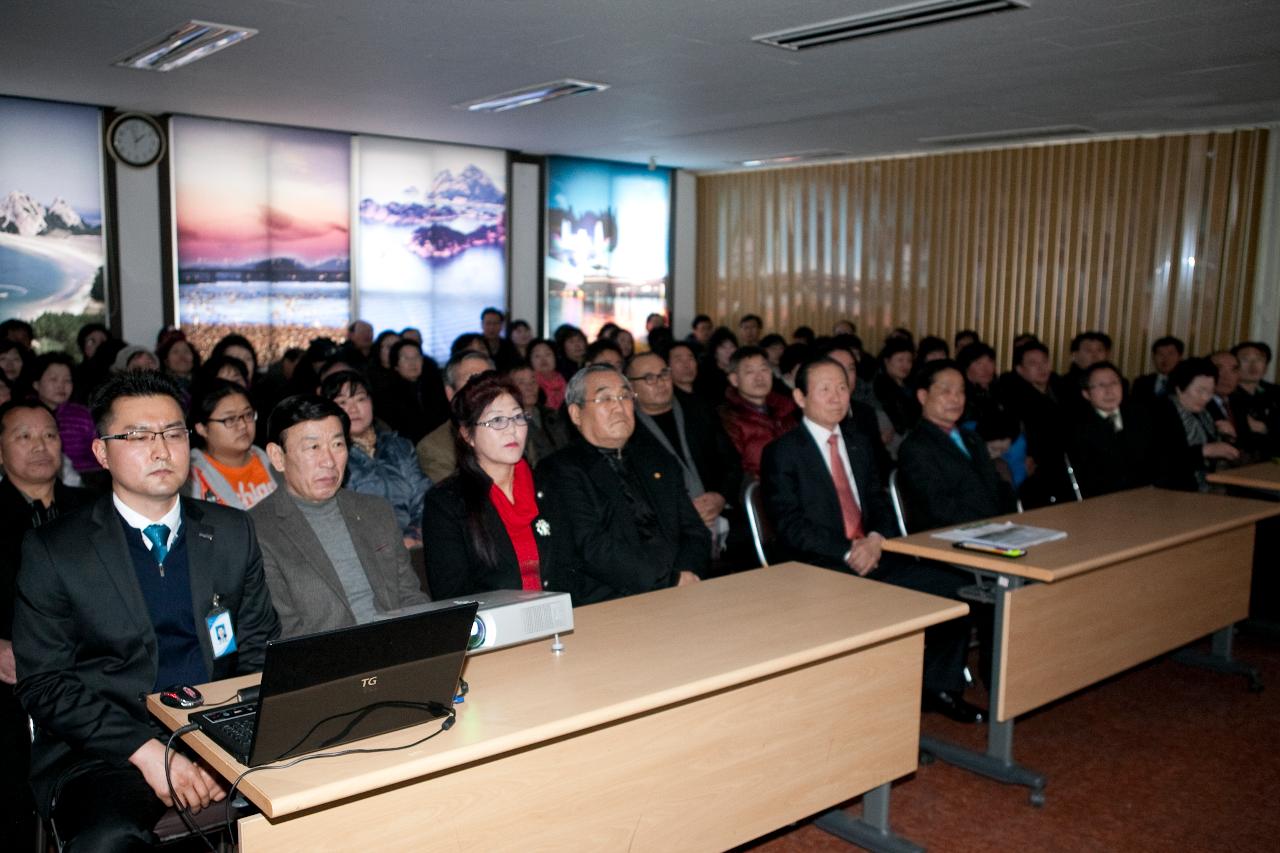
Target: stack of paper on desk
1001,534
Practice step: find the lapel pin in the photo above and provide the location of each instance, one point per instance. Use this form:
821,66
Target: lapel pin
657,475
208,536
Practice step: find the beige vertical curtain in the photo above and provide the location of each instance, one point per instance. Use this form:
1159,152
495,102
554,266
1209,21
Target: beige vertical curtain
1136,237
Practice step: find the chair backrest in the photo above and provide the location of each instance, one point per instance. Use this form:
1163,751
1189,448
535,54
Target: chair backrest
758,519
896,500
1071,475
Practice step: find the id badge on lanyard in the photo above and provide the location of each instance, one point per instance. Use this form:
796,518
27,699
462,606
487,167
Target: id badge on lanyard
222,634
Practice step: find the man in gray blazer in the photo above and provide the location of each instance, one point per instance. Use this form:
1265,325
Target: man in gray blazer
333,557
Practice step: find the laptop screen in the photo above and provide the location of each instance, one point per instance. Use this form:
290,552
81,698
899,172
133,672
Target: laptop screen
323,690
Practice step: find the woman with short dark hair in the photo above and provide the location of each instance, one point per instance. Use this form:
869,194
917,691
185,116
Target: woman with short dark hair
483,522
1187,442
380,462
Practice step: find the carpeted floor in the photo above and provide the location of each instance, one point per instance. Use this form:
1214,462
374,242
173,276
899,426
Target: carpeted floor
1164,757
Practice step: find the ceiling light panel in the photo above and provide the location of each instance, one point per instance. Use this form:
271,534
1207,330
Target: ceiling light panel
530,95
184,45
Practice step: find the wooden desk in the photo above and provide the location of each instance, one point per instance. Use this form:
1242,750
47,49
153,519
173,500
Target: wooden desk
1139,574
1263,476
691,718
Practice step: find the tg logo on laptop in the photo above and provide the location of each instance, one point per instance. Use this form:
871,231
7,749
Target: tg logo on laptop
369,683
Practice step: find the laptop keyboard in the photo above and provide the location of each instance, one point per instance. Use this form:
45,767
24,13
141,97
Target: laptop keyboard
234,725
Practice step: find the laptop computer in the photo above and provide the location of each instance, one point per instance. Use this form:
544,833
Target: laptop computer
322,690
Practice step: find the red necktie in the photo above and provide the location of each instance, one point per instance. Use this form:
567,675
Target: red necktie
848,506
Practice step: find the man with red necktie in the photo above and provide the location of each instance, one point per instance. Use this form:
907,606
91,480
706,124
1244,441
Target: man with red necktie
825,499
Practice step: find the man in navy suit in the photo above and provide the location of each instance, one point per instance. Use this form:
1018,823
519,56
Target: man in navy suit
823,493
122,599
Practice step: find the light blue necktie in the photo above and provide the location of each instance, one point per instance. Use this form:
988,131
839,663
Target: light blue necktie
158,534
959,442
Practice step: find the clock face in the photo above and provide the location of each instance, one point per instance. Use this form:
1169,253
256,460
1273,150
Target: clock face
136,140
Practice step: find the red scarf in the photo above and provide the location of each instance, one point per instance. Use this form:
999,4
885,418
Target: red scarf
518,518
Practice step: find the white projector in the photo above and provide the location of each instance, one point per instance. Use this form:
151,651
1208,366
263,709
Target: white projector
508,617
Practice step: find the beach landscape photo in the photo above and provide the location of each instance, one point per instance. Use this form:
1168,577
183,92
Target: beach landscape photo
263,240
431,235
51,250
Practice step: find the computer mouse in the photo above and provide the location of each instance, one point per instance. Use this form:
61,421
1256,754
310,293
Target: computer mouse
181,696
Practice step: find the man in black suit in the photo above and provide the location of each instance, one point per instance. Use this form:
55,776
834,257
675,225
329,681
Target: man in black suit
945,474
623,503
1166,352
1043,402
30,495
122,599
695,439
1111,446
824,497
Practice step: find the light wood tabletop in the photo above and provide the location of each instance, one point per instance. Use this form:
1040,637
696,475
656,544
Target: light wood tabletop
624,658
1101,531
1261,475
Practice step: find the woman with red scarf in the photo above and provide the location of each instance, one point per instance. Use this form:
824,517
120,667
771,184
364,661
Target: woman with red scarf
481,527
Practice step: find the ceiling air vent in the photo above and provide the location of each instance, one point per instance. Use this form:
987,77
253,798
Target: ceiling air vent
884,21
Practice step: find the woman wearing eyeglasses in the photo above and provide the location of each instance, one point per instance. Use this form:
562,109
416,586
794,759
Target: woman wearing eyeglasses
229,469
482,526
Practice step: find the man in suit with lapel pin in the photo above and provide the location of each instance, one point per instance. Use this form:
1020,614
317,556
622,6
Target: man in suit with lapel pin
823,493
623,503
334,558
122,599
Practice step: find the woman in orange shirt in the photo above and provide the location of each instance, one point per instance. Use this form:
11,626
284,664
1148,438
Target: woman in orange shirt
227,468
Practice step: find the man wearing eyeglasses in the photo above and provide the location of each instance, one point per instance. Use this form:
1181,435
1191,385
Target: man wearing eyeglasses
623,503
334,557
123,599
1110,445
711,466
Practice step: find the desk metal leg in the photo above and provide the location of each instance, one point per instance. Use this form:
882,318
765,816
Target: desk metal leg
871,831
997,762
1219,659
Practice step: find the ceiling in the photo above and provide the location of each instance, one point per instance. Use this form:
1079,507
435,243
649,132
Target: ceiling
689,87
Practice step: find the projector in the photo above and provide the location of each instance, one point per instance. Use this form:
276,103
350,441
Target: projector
508,617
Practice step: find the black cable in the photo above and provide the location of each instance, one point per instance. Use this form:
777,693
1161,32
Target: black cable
182,810
444,727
